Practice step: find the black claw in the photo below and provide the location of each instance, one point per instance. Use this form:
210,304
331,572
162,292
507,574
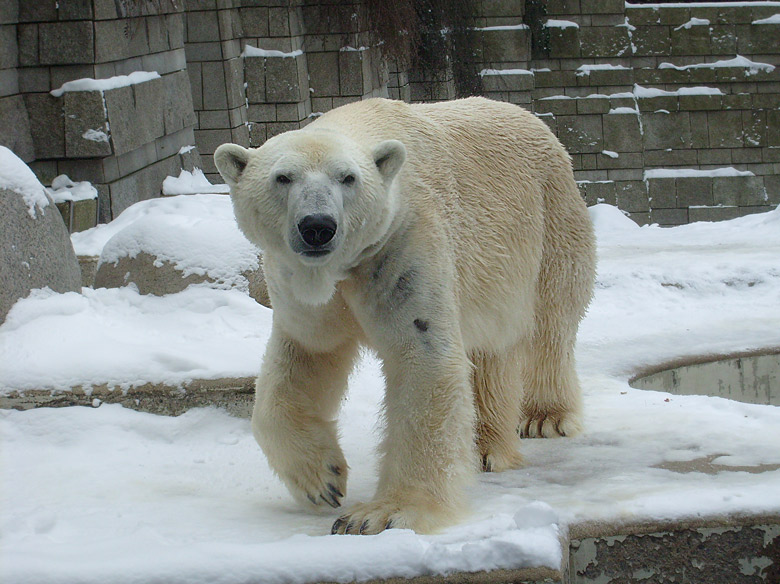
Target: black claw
334,469
389,524
330,500
334,490
337,525
311,498
487,466
349,527
363,527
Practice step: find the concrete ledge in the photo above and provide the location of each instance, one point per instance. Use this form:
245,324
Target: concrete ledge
236,395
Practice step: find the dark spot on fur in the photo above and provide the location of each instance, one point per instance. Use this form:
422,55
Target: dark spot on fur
422,325
404,286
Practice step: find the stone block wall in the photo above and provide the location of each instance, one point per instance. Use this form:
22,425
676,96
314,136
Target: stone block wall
669,112
125,140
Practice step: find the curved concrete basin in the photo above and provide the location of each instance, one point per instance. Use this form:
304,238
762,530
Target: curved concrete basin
750,378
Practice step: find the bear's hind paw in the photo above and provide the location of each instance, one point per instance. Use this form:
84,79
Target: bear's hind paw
550,426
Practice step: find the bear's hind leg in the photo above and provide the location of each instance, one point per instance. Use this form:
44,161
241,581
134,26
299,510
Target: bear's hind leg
496,381
297,399
551,402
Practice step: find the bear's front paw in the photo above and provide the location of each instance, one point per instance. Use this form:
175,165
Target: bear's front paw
550,425
325,482
415,512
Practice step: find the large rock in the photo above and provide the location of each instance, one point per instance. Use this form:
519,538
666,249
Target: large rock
191,239
35,250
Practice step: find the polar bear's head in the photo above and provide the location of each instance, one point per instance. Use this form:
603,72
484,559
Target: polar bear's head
314,200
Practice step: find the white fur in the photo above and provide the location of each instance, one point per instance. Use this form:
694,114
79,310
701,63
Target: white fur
464,256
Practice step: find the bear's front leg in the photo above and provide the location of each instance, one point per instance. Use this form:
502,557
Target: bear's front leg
297,398
428,452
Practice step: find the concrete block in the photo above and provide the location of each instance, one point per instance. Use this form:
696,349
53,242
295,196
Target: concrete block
34,80
618,77
254,76
632,196
754,124
35,252
214,86
75,10
283,84
700,136
234,82
564,43
599,192
669,217
662,193
178,109
86,132
255,21
323,77
157,34
773,128
202,27
715,156
739,101
66,43
622,133
135,160
674,15
209,140
9,56
150,105
713,213
700,102
350,73
175,25
507,45
602,6
213,120
725,129
581,134
27,45
639,15
670,157
663,131
723,39
691,41
559,107
47,125
668,103
15,127
279,22
120,39
592,106
42,11
692,191
604,42
566,79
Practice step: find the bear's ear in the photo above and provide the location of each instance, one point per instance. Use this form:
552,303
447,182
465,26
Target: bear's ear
389,157
231,160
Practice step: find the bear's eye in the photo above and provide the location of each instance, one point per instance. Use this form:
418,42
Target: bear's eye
348,180
283,179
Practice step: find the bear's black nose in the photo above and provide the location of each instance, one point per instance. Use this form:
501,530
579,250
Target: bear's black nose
317,229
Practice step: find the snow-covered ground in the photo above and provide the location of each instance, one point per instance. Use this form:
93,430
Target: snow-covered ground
109,494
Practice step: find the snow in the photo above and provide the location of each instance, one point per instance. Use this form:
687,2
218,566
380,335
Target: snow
485,72
89,84
694,22
645,92
16,176
610,153
693,172
503,27
753,67
250,51
63,189
191,183
95,135
623,111
561,24
586,69
774,19
109,494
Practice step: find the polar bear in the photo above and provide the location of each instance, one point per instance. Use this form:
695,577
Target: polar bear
451,238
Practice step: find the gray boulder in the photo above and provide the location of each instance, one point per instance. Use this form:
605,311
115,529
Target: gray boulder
35,252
